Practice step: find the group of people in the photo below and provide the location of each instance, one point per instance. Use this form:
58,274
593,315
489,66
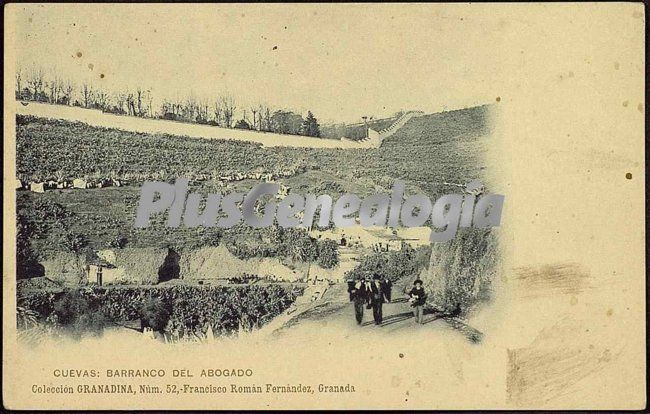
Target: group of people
372,294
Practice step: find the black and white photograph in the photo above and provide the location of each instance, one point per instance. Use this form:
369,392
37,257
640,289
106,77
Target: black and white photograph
323,205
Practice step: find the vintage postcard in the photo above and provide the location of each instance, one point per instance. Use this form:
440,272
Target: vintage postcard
324,206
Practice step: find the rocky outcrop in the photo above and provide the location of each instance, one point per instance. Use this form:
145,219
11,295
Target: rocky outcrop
213,263
218,263
66,267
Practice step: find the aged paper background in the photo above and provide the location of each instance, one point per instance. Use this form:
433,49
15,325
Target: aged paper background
567,329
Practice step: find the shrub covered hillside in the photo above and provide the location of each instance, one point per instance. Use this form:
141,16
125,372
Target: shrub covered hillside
427,151
46,148
103,219
461,271
175,310
356,132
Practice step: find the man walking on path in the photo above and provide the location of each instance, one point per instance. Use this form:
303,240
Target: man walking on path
359,295
418,297
388,288
377,298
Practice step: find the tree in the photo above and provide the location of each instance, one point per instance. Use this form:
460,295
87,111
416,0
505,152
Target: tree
55,87
150,103
202,112
68,88
228,105
102,99
254,111
34,80
119,242
139,93
189,110
155,314
120,100
218,112
26,258
328,254
267,119
299,246
19,83
170,110
87,95
461,270
310,126
286,122
263,117
79,314
74,242
130,104
394,265
242,124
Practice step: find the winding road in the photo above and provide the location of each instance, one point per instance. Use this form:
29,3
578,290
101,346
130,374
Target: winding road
335,314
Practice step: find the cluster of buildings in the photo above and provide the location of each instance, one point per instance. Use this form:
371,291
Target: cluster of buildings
42,186
83,183
260,176
377,239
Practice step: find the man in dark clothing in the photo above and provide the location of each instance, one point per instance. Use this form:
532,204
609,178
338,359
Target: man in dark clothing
388,287
377,298
418,298
368,285
358,294
351,288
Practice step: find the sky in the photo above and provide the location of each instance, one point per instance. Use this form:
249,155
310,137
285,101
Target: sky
339,61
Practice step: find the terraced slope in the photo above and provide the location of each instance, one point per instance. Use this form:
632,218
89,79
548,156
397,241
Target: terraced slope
426,152
429,149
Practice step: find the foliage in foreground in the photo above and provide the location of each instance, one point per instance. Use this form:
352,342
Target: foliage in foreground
176,310
461,270
393,265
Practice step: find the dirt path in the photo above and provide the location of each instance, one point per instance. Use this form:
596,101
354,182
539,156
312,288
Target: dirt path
160,126
335,313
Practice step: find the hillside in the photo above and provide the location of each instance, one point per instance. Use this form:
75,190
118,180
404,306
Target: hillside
426,152
100,119
355,132
429,149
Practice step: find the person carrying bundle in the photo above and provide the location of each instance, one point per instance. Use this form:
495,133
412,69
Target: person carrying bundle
377,297
418,298
359,295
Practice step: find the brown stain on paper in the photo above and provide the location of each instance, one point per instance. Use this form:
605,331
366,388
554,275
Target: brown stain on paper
553,279
550,368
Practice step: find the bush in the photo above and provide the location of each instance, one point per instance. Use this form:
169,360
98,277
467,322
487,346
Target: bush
328,254
92,323
79,314
26,258
74,242
154,314
119,242
178,310
393,265
242,124
70,305
462,269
